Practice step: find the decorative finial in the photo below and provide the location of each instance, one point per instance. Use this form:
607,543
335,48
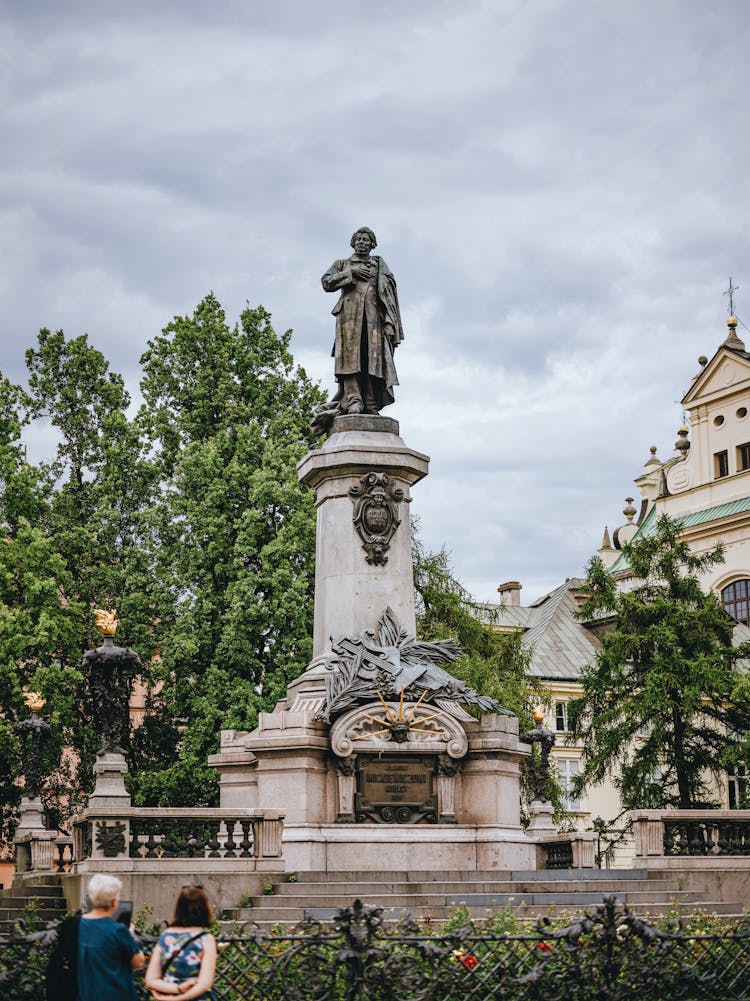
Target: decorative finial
732,340
652,460
34,701
702,361
606,541
629,511
682,444
106,622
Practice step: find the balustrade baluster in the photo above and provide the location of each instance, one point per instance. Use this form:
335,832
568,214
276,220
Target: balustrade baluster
152,843
183,844
724,838
246,844
213,840
135,844
229,843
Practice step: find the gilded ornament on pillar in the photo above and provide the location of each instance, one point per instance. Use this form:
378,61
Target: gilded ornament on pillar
106,621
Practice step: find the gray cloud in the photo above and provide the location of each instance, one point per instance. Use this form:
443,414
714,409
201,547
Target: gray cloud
559,188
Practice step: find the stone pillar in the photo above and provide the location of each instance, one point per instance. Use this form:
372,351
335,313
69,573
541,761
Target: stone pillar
363,543
541,811
110,770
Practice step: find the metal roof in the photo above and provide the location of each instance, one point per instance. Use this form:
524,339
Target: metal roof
707,514
561,645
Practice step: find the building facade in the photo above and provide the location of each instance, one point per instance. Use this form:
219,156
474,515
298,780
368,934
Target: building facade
704,485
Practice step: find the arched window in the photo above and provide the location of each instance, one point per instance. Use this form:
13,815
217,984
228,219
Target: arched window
735,598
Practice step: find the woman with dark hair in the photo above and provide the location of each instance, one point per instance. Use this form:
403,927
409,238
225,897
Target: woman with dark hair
184,961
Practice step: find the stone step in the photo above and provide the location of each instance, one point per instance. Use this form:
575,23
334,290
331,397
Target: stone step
287,917
471,876
37,901
493,900
25,890
42,914
32,903
374,888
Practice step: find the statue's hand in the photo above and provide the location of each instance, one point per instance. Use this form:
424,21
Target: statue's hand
363,269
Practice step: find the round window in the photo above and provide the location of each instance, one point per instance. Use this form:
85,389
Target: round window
718,420
741,413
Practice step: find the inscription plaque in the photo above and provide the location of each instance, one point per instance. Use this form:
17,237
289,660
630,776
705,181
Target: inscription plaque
396,790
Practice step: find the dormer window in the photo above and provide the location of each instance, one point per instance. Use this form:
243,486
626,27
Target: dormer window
721,464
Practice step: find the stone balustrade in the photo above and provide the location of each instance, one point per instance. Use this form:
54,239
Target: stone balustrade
152,834
574,850
679,837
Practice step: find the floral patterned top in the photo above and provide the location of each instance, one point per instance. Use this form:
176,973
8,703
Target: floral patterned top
187,964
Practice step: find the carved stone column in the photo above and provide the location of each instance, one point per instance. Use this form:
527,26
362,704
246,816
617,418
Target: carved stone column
446,790
346,770
361,476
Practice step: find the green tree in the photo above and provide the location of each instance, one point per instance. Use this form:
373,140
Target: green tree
660,707
38,611
100,513
494,663
77,537
228,413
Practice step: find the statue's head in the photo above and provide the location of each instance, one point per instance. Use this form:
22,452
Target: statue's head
363,231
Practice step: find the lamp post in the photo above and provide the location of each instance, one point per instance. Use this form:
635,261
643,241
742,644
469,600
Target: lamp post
33,734
110,671
540,809
599,826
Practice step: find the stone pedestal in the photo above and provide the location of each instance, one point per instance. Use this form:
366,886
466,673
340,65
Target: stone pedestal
35,846
353,583
308,770
32,816
541,818
110,770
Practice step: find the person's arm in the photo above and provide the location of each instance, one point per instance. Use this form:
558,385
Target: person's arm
206,976
131,947
161,988
166,990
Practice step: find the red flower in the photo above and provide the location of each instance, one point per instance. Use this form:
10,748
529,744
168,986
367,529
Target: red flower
466,960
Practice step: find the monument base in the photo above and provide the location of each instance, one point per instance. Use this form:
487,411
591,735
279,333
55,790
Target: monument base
396,848
463,778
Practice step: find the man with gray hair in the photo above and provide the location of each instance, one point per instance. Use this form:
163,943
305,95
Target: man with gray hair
368,328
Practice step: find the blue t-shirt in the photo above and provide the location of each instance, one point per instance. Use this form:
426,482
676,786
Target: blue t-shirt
105,949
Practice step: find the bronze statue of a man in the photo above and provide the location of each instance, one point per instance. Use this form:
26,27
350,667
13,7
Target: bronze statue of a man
368,329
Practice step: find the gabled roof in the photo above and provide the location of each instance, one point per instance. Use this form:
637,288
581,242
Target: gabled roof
702,386
561,644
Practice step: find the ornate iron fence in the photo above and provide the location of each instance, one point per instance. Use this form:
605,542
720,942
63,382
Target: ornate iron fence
607,955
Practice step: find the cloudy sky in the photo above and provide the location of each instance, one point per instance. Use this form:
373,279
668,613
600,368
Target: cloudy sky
559,186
